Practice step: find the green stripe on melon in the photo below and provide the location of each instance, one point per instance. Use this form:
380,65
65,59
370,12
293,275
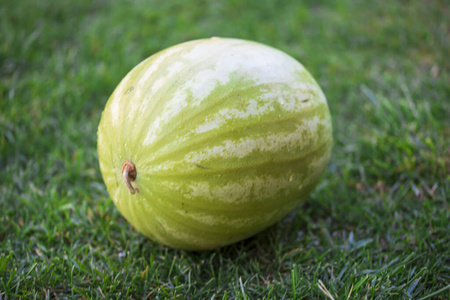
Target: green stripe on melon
227,137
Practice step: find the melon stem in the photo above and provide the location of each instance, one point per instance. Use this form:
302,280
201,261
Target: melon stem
129,174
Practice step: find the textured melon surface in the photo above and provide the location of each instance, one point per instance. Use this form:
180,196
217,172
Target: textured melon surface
227,137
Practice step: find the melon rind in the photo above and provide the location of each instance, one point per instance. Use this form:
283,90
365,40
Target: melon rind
227,137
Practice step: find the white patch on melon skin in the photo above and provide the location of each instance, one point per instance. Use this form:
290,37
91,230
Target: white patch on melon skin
267,65
151,135
295,100
202,84
288,101
155,65
209,125
177,104
281,100
173,69
115,108
231,223
247,189
159,83
270,143
198,52
254,62
143,80
252,109
205,218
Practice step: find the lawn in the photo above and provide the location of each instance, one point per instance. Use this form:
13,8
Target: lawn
376,227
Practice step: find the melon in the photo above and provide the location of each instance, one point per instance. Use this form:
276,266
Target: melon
209,142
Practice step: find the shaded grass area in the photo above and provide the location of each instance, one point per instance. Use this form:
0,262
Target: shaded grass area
376,227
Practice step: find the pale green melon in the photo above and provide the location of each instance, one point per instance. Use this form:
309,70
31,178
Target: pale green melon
209,142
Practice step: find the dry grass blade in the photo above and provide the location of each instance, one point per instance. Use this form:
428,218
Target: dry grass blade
324,289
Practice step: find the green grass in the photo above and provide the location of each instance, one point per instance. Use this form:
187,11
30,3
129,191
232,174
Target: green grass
376,227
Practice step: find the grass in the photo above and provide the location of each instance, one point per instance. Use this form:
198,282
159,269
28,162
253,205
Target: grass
376,227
